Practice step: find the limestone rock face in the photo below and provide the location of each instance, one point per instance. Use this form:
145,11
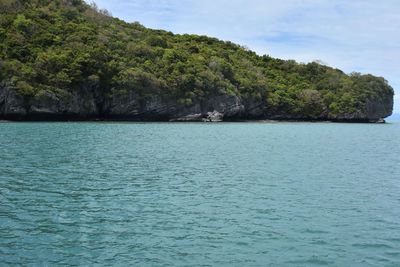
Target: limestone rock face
379,108
86,105
374,110
11,105
214,116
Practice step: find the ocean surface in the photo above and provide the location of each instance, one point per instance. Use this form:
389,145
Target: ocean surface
194,194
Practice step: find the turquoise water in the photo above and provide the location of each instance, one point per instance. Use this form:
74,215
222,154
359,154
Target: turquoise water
159,194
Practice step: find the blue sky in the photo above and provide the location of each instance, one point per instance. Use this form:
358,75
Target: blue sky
356,35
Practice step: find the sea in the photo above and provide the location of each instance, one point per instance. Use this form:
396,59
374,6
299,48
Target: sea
199,194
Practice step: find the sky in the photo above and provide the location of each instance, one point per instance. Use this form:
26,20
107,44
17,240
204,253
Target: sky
356,35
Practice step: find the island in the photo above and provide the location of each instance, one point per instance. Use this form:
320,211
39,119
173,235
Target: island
68,60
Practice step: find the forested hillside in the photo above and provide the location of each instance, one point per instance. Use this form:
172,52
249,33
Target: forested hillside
65,59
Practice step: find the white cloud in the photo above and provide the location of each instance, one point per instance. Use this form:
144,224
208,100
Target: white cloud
357,35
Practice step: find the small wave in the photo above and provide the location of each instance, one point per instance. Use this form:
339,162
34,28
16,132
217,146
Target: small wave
314,231
315,260
372,246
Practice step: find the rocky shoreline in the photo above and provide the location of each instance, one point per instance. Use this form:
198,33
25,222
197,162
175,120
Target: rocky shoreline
225,108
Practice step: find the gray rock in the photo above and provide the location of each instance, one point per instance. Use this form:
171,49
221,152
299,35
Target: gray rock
214,116
11,104
374,110
189,117
86,104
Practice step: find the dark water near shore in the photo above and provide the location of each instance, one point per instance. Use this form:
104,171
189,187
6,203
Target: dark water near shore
239,194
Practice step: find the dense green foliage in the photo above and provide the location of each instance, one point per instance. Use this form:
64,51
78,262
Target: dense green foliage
66,45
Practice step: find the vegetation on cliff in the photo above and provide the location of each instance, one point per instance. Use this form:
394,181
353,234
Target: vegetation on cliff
64,46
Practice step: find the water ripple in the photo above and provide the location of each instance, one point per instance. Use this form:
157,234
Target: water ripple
122,194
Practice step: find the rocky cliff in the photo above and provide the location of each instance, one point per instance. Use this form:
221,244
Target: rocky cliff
130,108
